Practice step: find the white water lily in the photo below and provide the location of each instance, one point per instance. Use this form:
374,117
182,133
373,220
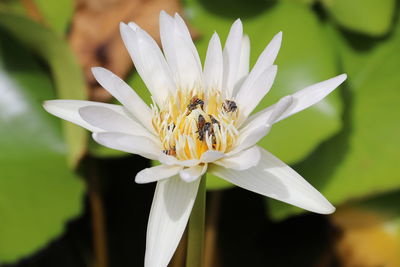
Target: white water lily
200,121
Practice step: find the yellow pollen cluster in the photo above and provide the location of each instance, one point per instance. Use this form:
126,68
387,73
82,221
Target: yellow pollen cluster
193,121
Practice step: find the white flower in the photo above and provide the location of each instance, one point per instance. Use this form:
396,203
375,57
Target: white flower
199,121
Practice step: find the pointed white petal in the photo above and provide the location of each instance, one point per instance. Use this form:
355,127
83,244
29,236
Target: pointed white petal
231,56
301,100
172,204
254,89
149,62
111,121
193,173
125,95
140,145
156,173
244,58
273,178
180,52
242,160
211,155
213,65
268,56
311,95
69,110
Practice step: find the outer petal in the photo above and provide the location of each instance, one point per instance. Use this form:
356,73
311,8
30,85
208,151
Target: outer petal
301,100
254,89
268,56
213,65
244,63
69,110
129,143
149,62
156,173
172,204
273,178
125,95
193,173
111,121
180,52
231,56
242,160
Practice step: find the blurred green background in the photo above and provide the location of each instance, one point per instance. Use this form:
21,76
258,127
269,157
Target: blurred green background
65,201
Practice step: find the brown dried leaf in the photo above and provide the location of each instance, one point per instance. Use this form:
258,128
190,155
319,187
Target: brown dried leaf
367,240
95,34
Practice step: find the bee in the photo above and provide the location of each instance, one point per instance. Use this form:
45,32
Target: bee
194,102
207,128
170,152
214,120
229,105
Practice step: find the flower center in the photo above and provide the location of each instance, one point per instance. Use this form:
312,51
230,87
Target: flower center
192,122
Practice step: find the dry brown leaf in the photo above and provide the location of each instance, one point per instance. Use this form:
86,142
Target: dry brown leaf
95,34
366,240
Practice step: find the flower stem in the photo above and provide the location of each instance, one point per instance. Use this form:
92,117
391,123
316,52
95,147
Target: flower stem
195,247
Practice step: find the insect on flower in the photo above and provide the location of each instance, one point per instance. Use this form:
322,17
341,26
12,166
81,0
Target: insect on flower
229,106
217,135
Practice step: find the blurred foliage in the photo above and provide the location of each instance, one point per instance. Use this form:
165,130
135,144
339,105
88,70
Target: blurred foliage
346,146
38,192
57,14
67,74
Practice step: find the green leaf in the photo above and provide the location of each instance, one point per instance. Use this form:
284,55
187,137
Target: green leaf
306,57
67,74
38,192
57,14
363,159
372,17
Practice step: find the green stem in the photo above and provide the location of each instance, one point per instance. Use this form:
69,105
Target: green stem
195,247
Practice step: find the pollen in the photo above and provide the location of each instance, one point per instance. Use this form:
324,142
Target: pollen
192,122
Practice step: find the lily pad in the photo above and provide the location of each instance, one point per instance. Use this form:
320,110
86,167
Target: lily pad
38,192
57,14
370,17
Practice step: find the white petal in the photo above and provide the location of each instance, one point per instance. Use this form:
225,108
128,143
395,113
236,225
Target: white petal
213,65
301,100
268,56
180,52
242,160
172,204
140,145
231,56
125,95
254,89
156,173
149,62
111,121
193,173
311,95
254,131
69,110
170,160
273,178
211,155
244,58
